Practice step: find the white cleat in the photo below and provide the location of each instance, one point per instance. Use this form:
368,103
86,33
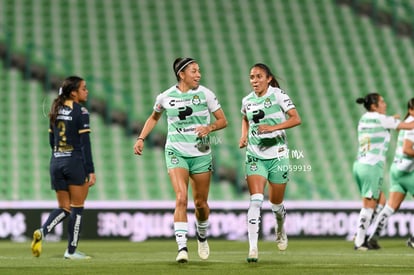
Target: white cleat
76,256
253,256
203,250
410,242
282,240
182,256
361,248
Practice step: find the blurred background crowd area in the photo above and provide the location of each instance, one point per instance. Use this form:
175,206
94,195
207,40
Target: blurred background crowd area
325,54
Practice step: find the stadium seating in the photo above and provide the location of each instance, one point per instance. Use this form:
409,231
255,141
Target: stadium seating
324,55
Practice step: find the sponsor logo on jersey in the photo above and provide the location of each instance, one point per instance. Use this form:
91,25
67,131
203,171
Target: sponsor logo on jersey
289,102
185,130
249,106
174,101
65,112
63,117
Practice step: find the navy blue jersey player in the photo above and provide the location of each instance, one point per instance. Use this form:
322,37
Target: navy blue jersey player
71,165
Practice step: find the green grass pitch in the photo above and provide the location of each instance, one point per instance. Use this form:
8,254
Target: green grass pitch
303,256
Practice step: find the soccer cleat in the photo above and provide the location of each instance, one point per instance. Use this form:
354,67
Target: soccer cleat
362,247
182,256
410,242
281,240
253,256
203,249
75,256
373,244
37,243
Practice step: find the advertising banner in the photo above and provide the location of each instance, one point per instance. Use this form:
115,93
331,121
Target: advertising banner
140,221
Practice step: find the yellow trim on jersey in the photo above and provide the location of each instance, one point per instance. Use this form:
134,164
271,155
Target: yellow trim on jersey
84,131
69,103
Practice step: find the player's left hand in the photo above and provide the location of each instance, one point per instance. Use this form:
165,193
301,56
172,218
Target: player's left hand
243,142
203,131
264,128
92,179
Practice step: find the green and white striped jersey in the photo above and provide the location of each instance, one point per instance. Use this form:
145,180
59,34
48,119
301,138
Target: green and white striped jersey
374,137
268,109
185,112
401,160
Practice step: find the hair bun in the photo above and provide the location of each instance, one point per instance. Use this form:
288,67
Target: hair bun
360,100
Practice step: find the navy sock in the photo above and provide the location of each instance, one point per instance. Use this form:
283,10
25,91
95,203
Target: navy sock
55,217
74,228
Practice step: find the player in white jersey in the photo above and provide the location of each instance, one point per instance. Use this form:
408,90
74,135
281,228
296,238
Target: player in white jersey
264,122
401,176
188,106
373,138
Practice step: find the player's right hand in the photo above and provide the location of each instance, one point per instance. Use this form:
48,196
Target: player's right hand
138,147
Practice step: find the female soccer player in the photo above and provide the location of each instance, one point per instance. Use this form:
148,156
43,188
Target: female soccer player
401,176
187,151
368,168
264,122
71,164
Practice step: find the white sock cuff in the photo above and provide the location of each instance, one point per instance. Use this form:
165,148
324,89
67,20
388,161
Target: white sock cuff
367,212
202,223
277,207
257,197
256,201
387,209
181,226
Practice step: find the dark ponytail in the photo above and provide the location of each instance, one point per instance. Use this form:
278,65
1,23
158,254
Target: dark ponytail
70,84
368,100
410,106
273,82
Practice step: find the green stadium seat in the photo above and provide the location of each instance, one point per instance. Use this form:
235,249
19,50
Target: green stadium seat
324,55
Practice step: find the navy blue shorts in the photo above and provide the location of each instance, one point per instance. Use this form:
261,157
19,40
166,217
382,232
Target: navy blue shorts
67,171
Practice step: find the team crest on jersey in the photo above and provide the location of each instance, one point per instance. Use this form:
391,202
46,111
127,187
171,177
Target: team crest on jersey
174,160
253,166
196,100
267,103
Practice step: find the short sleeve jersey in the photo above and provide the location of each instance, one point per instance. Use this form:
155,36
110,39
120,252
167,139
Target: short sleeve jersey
374,137
268,109
71,122
402,161
185,112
